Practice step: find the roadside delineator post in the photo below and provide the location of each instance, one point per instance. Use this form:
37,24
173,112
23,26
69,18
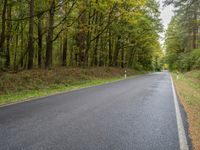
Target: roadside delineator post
125,75
177,75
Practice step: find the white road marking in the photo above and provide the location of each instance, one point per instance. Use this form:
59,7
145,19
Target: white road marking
181,132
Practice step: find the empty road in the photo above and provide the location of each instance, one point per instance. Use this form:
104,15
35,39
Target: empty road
133,114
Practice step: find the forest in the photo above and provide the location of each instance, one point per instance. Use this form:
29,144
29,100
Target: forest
79,33
50,48
182,45
182,36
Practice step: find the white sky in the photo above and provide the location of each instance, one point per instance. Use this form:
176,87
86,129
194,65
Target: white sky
166,15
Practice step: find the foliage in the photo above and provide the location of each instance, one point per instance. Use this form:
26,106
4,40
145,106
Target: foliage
40,34
182,37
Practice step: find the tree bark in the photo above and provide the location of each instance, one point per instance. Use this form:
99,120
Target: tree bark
116,53
122,56
49,40
195,29
39,42
30,40
9,28
65,45
89,33
95,55
15,50
81,38
22,44
131,56
110,48
3,25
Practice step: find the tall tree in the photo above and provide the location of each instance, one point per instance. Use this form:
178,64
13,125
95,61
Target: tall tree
88,32
31,38
3,25
65,45
8,36
49,40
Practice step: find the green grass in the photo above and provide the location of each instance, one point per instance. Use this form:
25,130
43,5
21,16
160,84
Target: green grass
28,84
13,97
188,88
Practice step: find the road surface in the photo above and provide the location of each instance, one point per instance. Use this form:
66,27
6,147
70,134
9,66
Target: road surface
133,114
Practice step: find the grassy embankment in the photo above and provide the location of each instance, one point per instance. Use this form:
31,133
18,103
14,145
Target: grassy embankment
15,87
188,88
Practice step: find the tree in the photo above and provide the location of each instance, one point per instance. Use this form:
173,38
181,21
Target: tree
3,25
80,33
182,35
31,38
8,36
49,40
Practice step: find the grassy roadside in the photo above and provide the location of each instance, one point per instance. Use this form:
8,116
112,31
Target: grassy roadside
188,89
16,87
25,95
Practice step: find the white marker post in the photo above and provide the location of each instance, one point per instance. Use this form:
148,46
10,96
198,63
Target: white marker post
125,75
177,75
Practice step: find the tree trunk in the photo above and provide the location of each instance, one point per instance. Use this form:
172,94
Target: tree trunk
89,33
101,53
3,25
9,26
49,40
65,44
81,37
30,40
122,56
71,59
22,45
39,42
95,55
195,29
116,53
131,57
15,50
110,48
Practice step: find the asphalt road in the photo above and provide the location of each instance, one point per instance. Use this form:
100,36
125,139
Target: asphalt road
134,114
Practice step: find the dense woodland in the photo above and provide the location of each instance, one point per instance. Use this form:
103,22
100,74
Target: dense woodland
79,33
183,37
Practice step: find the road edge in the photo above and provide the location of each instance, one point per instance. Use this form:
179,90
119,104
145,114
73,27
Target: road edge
183,143
65,92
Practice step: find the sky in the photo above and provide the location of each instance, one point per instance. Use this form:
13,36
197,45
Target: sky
166,15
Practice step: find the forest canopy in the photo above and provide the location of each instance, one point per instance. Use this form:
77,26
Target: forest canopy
79,33
182,36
